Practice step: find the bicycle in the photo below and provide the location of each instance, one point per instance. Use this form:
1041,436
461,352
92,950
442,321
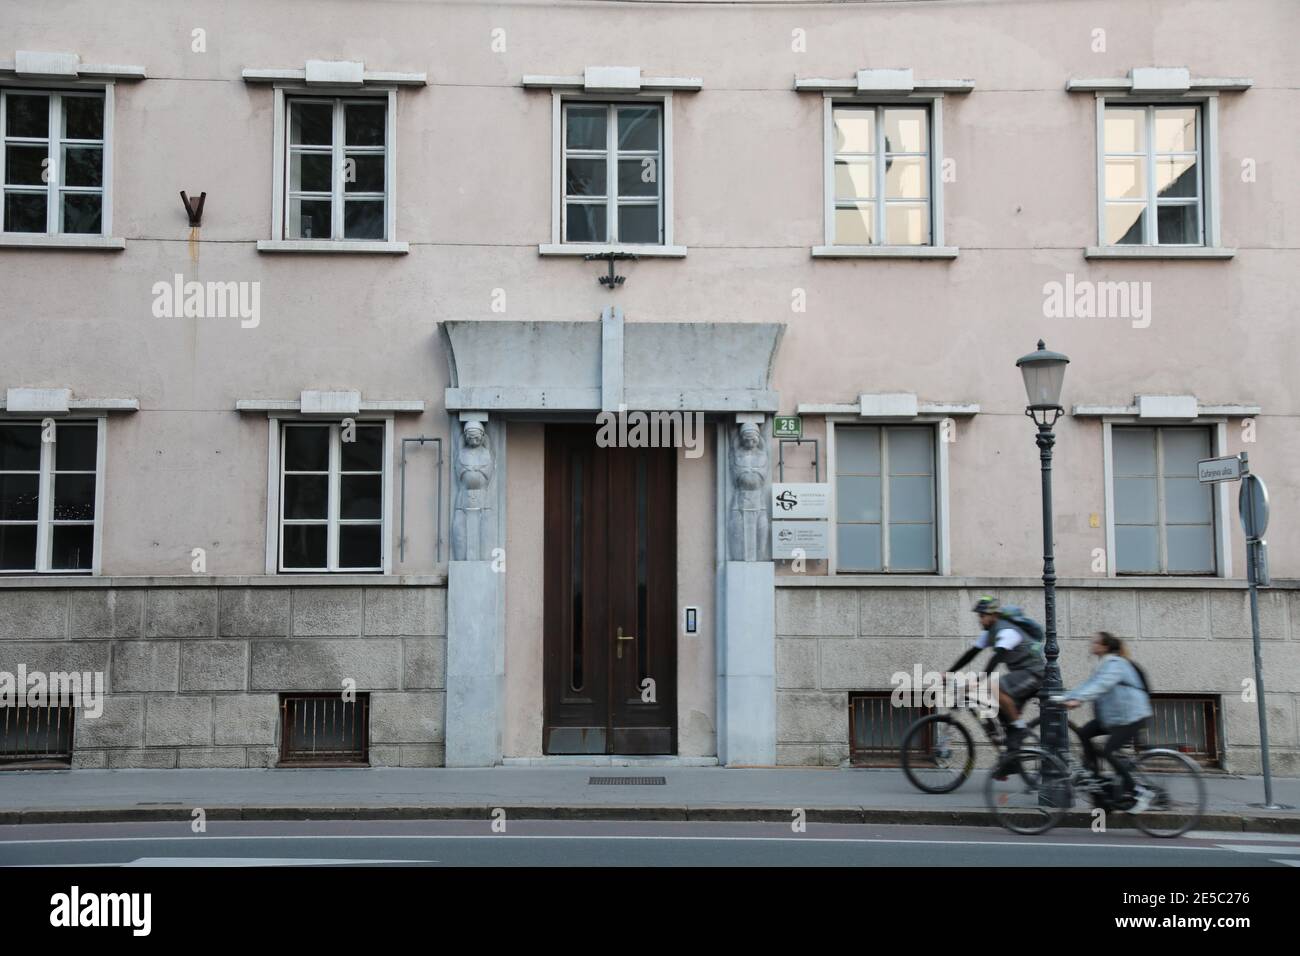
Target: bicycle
939,752
1038,788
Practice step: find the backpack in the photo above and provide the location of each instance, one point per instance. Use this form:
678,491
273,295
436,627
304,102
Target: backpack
1142,676
1017,617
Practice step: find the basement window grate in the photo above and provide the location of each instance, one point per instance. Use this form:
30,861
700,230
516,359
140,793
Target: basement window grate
627,781
35,736
324,730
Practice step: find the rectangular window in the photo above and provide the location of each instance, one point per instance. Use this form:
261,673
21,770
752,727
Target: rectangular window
49,494
877,729
613,173
331,497
1188,723
53,161
880,171
1152,176
36,736
336,177
885,498
1164,517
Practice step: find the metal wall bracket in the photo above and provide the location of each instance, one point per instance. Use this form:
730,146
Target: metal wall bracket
780,458
610,281
401,533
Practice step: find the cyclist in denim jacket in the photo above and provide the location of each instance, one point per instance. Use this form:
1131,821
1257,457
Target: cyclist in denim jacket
1122,707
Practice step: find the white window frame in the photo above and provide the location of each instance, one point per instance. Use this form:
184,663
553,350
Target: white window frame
280,241
935,249
275,486
45,508
1218,428
53,236
943,559
558,246
1207,105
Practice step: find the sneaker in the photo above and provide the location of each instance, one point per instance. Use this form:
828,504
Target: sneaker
1143,798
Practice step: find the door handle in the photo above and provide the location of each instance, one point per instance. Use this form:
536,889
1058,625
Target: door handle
620,637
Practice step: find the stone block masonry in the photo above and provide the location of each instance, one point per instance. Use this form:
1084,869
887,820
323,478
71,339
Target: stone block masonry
193,672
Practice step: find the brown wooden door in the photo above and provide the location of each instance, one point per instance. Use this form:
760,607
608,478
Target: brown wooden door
609,599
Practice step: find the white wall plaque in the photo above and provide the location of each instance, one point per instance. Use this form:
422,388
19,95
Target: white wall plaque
808,537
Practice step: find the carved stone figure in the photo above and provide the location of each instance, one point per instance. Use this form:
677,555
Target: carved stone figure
748,524
471,529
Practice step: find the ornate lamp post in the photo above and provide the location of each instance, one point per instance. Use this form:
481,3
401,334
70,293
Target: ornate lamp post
1044,374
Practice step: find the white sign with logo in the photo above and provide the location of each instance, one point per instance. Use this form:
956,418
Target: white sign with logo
810,538
806,500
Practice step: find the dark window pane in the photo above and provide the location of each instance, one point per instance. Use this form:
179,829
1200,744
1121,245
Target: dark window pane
307,448
18,497
306,496
361,496
27,115
25,165
304,546
1125,223
20,447
83,166
585,223
311,124
83,117
1176,177
364,124
309,219
74,497
366,451
638,223
363,219
638,177
359,546
586,127
310,172
73,547
1177,224
584,177
17,547
75,447
638,127
24,212
364,173
82,213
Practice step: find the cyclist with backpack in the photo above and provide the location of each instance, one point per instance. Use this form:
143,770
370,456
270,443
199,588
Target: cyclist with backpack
1119,689
1016,641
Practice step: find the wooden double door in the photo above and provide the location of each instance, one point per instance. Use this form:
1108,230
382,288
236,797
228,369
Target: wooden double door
609,603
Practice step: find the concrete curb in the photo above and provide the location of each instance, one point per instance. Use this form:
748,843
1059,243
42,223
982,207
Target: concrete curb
1225,821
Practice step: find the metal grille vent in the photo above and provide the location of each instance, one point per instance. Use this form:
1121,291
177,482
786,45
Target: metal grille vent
627,781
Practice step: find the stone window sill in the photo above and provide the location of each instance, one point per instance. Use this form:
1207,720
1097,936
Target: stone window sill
18,240
884,252
222,581
602,249
1158,252
332,246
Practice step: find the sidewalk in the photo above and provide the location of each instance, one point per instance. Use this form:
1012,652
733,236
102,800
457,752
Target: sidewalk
688,793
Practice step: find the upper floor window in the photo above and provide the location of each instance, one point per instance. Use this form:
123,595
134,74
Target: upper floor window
1164,516
49,496
337,175
332,496
885,494
53,163
1153,175
880,175
613,159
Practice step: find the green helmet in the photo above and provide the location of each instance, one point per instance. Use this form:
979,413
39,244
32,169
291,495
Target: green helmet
987,604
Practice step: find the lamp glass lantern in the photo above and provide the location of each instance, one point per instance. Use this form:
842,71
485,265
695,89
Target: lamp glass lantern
1044,374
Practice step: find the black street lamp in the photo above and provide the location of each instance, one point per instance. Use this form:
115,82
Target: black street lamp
1044,374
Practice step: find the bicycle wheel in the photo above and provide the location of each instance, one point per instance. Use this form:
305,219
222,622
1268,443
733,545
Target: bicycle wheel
1033,794
1179,786
938,754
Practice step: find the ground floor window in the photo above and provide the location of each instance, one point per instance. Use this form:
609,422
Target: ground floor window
49,495
1164,516
885,498
324,729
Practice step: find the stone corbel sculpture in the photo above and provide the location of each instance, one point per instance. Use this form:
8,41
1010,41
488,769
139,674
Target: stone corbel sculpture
471,527
748,524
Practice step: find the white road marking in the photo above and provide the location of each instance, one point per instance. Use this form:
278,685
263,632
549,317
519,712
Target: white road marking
1244,837
1284,850
255,861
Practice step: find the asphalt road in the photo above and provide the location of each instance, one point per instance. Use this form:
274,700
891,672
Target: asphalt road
593,843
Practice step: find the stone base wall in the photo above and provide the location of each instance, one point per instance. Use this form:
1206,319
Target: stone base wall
193,674
833,639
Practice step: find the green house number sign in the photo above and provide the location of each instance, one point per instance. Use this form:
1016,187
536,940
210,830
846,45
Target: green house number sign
787,426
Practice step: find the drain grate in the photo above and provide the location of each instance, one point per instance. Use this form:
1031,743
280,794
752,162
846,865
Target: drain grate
627,781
